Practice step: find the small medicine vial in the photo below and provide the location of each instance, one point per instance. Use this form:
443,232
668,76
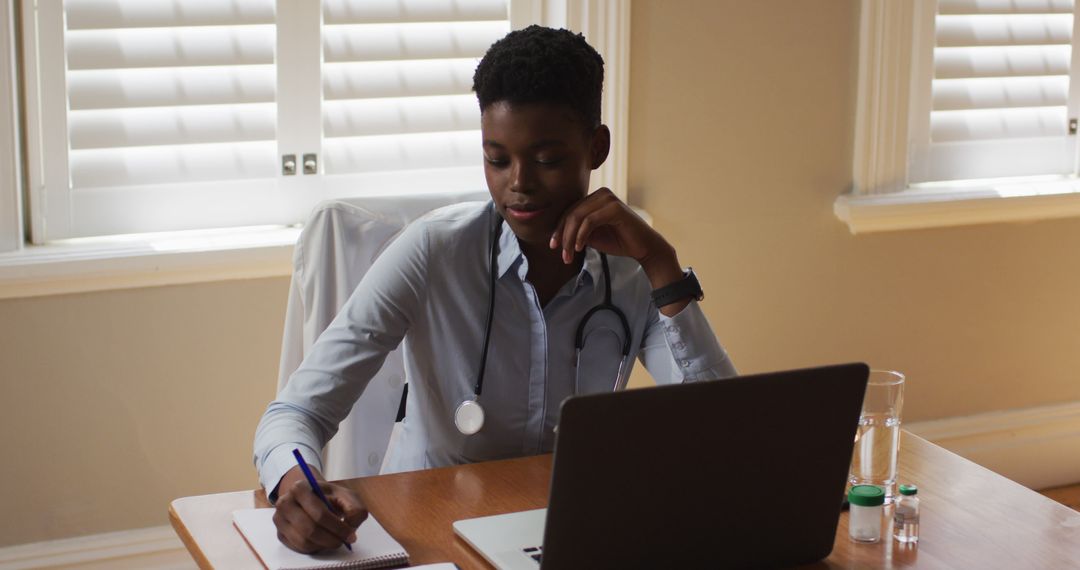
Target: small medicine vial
906,517
867,505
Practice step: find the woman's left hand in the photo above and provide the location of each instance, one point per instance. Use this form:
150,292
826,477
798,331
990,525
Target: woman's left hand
603,222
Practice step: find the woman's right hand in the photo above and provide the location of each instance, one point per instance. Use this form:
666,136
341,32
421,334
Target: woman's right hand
303,522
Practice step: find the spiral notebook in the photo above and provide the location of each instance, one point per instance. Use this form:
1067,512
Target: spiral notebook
374,547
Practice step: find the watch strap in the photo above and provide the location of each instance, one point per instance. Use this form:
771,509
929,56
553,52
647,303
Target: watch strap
688,286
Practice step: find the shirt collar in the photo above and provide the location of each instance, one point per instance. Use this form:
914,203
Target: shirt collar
510,253
592,268
509,250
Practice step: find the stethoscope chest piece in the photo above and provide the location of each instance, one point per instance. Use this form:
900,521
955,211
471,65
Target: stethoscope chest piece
469,417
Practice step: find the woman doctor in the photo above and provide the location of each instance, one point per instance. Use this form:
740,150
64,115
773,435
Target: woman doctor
488,299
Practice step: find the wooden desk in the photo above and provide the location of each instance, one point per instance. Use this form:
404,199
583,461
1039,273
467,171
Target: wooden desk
971,517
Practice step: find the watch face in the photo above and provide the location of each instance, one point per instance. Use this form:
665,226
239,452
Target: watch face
695,289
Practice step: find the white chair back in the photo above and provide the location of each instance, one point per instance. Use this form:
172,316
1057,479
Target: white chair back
337,246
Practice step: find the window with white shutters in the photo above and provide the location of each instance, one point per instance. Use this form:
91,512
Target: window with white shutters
154,115
150,116
967,114
999,101
182,114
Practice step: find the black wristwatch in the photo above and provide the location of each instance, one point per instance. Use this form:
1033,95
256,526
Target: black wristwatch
688,286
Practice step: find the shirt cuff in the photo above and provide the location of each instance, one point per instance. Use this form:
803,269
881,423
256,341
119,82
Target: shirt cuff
279,461
697,353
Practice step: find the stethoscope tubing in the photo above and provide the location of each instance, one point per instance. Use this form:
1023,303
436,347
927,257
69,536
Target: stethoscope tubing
492,269
469,415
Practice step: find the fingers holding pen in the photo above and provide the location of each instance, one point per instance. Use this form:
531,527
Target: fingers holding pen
353,512
307,525
327,521
298,530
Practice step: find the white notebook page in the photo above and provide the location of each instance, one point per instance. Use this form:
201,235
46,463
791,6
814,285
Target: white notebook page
374,547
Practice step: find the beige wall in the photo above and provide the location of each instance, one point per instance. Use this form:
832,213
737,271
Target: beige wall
116,402
741,137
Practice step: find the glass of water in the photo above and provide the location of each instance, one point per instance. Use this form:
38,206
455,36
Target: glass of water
878,437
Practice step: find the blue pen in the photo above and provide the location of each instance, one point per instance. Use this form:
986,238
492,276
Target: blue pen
315,486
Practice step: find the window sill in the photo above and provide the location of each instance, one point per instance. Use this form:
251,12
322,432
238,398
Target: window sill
146,260
149,260
959,204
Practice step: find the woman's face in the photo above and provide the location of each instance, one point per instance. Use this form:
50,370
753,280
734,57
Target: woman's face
537,162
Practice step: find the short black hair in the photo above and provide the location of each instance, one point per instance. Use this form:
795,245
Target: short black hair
542,65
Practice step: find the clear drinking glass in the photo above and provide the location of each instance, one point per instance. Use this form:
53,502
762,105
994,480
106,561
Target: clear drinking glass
878,438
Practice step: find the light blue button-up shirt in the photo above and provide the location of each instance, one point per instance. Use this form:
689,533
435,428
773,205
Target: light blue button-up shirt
430,291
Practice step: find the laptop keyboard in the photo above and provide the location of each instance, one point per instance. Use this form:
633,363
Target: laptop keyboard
534,552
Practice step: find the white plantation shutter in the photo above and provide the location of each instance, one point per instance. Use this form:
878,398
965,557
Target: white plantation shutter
1000,102
159,115
171,115
397,78
168,110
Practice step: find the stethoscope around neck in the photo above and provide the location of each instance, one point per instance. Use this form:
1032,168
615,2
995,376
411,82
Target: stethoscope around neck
469,415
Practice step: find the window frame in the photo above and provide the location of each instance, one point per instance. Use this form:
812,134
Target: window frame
58,211
11,228
93,264
895,66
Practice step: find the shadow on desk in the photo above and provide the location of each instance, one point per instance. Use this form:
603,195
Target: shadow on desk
971,517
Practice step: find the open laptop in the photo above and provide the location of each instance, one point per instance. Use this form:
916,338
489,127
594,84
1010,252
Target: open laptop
747,471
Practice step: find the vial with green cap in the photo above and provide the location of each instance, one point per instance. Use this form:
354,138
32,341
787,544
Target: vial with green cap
906,517
867,505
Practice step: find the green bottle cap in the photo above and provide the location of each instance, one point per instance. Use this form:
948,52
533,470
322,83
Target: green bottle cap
866,495
908,490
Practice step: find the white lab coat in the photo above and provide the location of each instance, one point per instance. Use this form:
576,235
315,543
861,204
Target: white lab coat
337,246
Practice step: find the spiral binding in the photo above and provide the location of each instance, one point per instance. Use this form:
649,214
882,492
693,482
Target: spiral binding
366,564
